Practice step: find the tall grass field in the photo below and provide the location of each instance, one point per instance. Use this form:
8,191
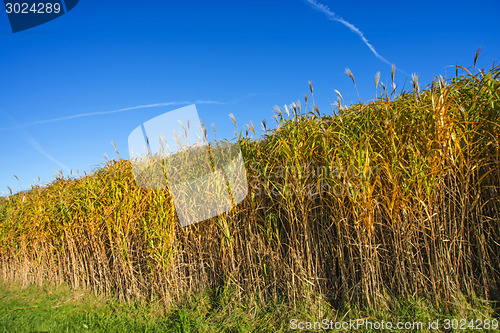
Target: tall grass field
362,207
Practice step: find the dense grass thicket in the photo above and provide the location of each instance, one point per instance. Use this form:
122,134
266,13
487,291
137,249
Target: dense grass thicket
394,199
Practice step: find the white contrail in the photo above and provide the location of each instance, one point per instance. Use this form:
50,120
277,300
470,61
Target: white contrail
90,114
33,143
334,17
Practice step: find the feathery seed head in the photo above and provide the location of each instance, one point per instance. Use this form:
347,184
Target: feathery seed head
252,127
349,73
477,55
177,140
278,111
377,79
294,108
204,129
414,82
233,119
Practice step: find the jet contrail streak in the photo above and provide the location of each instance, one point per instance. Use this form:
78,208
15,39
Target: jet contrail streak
334,17
35,145
90,114
99,113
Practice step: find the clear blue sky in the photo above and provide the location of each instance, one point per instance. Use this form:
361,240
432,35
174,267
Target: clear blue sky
247,56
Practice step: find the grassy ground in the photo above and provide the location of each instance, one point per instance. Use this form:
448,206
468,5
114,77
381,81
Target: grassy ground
44,309
59,309
48,309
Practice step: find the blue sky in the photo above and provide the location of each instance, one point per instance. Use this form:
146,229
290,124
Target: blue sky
71,86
